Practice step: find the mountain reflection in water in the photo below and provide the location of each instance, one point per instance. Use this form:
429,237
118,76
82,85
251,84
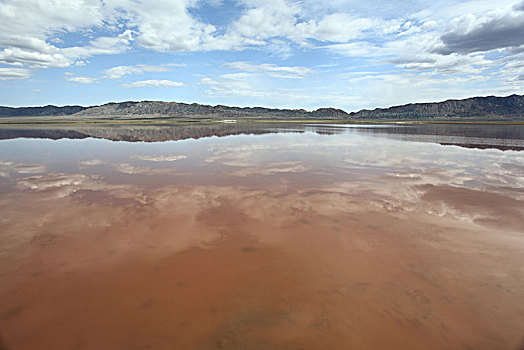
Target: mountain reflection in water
274,236
503,137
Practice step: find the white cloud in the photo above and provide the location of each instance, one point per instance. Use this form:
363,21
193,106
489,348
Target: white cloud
50,56
387,89
339,27
121,71
267,19
81,79
18,56
27,19
164,25
450,64
153,83
494,30
27,28
271,69
280,18
240,84
103,45
513,67
175,65
14,73
252,89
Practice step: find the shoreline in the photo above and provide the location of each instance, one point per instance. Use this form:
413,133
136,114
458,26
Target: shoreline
173,121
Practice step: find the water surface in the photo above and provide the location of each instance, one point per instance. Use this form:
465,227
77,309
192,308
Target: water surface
271,236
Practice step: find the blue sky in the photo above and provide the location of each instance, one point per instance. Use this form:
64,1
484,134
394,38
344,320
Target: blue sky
275,53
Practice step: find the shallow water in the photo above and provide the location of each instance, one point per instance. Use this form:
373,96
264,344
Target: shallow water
274,237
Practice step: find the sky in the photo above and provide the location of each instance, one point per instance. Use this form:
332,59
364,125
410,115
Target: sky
307,54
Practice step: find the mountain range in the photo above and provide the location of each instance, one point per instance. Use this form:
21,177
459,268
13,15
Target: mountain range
509,108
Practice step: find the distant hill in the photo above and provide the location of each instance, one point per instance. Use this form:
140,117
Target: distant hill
39,111
476,108
195,110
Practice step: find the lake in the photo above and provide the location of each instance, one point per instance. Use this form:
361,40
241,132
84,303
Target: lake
262,236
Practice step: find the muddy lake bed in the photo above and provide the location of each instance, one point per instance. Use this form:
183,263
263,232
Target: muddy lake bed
262,236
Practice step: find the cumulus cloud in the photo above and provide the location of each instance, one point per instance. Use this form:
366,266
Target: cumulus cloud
165,25
262,20
519,6
280,18
28,29
153,83
497,33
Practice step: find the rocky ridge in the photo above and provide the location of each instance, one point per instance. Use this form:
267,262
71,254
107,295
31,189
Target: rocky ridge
476,108
511,107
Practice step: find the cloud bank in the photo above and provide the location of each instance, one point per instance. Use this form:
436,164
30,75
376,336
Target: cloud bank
248,52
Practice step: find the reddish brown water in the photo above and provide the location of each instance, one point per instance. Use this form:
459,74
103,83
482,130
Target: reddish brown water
287,241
